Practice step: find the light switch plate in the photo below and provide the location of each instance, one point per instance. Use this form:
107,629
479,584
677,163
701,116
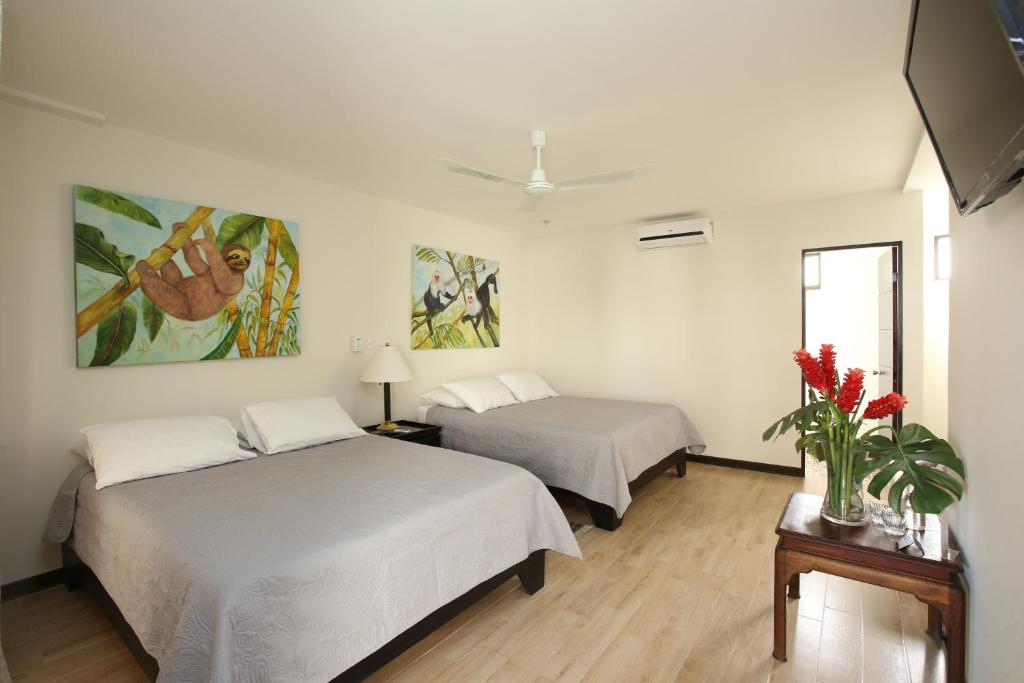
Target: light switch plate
357,344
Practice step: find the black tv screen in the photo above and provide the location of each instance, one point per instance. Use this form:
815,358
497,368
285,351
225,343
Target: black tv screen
965,68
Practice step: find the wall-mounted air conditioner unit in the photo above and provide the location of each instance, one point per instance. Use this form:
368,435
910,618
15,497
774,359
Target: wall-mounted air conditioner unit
674,233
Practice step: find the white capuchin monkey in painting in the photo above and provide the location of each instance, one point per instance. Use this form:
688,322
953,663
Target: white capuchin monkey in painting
434,299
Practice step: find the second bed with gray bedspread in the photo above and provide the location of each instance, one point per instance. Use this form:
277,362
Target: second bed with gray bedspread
590,446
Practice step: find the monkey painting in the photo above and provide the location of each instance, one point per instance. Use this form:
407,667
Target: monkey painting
433,299
214,282
475,312
483,294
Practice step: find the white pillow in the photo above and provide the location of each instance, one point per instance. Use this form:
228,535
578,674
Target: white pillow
443,397
526,386
125,451
278,426
481,394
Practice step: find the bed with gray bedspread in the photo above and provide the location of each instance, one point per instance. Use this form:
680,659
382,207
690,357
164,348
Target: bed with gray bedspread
590,446
294,567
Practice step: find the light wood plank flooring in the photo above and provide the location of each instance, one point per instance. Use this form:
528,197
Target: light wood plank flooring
682,591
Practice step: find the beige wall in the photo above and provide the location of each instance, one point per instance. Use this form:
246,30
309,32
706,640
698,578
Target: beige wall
355,266
935,207
712,328
986,333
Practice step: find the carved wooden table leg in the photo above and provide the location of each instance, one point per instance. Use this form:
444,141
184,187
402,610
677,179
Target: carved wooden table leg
934,622
955,618
779,652
794,587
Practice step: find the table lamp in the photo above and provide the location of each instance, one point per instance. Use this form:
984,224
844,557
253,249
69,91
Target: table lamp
387,366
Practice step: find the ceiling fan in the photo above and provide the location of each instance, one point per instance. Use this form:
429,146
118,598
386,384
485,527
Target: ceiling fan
539,185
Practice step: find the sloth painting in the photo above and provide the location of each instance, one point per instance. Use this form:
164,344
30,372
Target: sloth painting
158,281
455,303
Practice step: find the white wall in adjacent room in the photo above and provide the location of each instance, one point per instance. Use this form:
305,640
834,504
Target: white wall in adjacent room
355,253
986,333
844,311
710,328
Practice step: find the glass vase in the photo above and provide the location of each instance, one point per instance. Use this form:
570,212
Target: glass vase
844,502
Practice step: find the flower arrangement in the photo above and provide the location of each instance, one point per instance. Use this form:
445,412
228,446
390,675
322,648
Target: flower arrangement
906,460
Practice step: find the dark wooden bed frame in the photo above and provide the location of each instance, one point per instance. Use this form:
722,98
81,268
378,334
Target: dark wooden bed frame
604,515
530,572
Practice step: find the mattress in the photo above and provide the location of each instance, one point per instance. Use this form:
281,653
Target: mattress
593,447
296,566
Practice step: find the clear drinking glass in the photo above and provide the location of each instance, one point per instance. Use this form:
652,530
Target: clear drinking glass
875,508
894,523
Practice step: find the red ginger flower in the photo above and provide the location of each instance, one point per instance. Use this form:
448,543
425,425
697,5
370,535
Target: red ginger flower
827,359
849,394
814,375
885,406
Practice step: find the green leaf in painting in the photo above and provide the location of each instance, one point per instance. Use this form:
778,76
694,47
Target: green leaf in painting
92,249
286,247
427,255
115,203
221,349
115,334
241,228
152,317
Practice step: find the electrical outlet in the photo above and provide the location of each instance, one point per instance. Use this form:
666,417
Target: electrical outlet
371,344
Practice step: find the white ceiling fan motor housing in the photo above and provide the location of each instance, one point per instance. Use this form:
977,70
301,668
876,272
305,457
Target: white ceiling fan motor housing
538,178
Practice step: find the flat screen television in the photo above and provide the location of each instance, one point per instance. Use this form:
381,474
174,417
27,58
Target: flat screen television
965,68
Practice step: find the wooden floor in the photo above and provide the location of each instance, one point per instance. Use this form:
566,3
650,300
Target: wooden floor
682,591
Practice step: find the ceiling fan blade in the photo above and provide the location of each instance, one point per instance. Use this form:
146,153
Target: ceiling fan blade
462,169
603,179
530,204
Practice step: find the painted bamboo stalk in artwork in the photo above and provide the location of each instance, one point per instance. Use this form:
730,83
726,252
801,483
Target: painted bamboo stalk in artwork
92,314
242,338
286,307
274,231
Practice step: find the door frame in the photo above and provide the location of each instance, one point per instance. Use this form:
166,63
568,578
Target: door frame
897,315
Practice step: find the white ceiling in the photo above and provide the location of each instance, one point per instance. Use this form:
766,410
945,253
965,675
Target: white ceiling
737,103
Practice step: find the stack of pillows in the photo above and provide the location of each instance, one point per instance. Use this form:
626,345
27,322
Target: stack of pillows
484,393
125,451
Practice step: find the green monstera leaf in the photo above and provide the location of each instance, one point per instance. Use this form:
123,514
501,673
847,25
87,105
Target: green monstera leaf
241,228
115,203
908,461
93,250
115,334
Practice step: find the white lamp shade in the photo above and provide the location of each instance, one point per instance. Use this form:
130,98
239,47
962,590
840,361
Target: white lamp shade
387,365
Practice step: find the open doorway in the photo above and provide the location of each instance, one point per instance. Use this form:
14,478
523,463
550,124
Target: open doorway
853,297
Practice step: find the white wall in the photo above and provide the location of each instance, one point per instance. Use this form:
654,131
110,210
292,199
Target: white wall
986,333
844,311
711,329
355,266
935,316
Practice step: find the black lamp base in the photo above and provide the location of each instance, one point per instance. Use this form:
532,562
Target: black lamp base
387,425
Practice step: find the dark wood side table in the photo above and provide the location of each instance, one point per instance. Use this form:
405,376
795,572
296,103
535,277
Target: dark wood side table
417,432
809,543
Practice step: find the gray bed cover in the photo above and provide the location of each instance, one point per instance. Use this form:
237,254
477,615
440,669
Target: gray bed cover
294,567
590,446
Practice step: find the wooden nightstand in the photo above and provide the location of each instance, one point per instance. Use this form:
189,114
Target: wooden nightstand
417,432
